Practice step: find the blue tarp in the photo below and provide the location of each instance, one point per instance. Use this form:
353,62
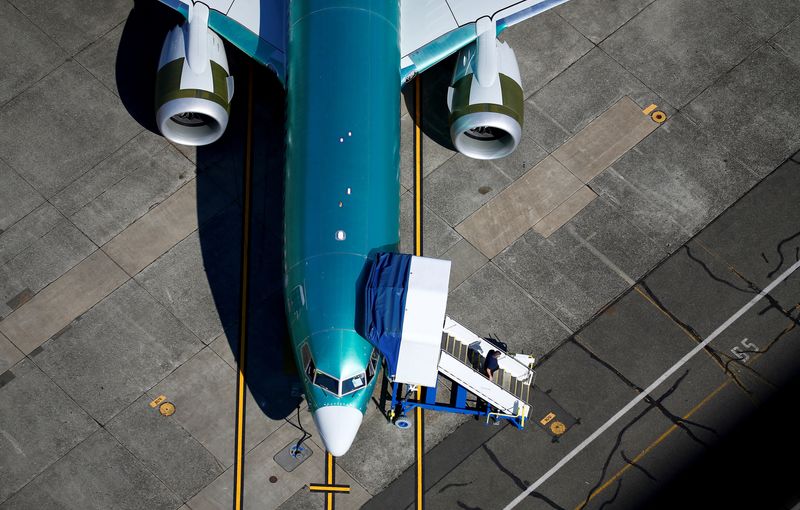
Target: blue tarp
385,304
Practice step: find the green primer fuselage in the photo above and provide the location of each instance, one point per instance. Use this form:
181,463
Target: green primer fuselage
342,176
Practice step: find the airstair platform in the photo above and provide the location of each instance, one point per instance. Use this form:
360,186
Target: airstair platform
461,360
405,302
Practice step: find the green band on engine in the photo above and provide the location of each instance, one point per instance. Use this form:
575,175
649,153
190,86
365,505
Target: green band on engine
168,85
220,78
512,99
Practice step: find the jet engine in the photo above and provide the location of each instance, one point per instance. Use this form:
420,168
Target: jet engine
485,99
193,85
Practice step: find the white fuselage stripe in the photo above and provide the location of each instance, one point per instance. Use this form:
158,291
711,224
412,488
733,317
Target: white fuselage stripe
586,442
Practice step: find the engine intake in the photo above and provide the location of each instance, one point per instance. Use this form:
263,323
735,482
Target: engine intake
486,113
193,93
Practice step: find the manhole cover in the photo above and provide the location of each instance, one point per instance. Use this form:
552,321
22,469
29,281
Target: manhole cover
659,116
558,428
167,409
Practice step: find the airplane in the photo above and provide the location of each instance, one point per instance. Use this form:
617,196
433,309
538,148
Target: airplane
342,64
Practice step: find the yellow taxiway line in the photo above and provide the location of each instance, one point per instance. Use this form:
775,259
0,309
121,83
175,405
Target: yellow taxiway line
241,385
330,467
419,417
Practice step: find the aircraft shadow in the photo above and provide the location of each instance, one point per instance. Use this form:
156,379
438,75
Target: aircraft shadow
271,374
435,115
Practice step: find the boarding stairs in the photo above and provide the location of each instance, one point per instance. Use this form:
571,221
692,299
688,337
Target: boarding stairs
462,360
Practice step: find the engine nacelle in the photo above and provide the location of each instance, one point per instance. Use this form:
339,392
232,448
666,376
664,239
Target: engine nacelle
485,100
193,85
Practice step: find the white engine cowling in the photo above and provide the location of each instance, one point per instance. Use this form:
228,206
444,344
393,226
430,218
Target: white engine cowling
486,101
193,85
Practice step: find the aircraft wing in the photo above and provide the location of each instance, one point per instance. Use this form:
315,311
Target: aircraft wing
257,27
431,30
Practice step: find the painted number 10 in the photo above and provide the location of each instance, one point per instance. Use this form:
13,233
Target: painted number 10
742,353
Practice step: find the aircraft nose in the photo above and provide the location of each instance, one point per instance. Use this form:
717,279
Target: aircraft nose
337,427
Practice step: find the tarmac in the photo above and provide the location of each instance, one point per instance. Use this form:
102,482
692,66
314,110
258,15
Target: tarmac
609,245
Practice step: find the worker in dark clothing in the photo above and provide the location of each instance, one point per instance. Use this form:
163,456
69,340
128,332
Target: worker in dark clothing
491,365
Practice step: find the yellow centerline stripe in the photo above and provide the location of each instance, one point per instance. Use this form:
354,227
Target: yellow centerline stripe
241,386
419,429
688,333
652,445
418,166
670,430
329,471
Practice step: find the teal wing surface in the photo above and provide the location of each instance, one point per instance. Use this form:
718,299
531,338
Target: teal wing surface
257,27
432,30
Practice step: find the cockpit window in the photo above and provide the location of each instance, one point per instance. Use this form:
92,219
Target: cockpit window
332,384
305,353
327,382
310,370
372,367
352,384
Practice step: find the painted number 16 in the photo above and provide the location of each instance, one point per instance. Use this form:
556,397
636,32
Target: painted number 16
747,345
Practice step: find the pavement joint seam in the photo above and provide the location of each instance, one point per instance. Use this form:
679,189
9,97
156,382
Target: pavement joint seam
141,463
654,402
177,422
654,385
529,296
65,53
111,185
665,250
98,163
49,230
476,270
633,462
691,333
68,396
578,59
92,43
669,431
112,417
541,112
690,99
620,27
37,475
753,289
170,312
570,228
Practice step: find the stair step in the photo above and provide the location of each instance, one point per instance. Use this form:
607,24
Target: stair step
451,343
460,351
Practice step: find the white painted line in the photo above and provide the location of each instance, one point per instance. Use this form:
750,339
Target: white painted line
586,442
597,253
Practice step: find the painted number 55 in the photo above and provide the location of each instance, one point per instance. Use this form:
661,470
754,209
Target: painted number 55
742,353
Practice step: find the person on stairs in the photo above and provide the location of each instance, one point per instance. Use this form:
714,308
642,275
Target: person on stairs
490,366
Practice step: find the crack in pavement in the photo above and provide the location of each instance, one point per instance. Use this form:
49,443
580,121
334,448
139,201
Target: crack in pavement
637,466
773,304
613,496
618,442
780,254
675,419
694,335
454,485
519,482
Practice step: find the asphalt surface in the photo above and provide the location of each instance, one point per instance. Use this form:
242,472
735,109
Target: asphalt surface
126,249
719,433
